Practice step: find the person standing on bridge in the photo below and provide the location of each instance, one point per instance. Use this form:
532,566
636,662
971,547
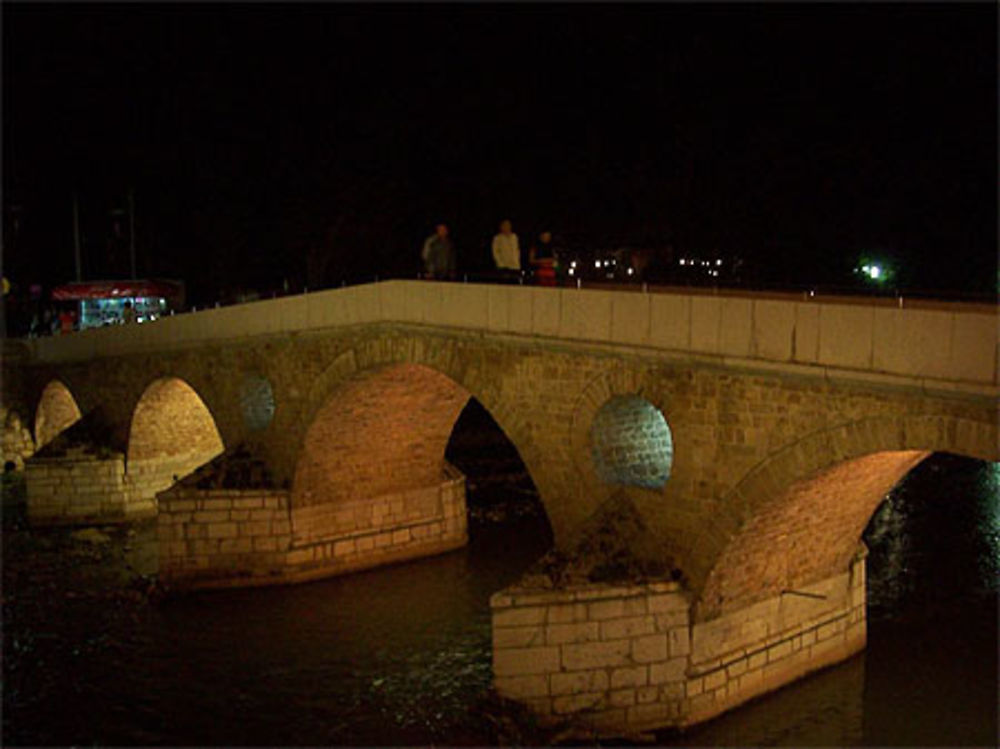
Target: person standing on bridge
543,260
438,254
507,250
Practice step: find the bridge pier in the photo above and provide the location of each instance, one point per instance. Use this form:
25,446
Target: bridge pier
82,485
622,659
212,537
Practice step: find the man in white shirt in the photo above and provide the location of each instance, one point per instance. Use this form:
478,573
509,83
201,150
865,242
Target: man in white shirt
506,250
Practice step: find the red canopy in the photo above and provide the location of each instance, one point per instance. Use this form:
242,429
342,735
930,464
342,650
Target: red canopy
117,289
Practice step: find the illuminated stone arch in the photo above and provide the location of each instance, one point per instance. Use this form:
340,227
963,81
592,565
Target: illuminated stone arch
57,410
798,517
381,431
172,433
378,422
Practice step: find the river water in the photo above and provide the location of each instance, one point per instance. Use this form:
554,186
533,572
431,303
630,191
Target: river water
401,655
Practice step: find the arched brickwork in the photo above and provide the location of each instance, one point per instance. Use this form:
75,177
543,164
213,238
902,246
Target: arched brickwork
382,431
171,434
798,517
56,411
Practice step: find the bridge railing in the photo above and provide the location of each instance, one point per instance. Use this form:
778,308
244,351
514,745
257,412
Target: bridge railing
945,342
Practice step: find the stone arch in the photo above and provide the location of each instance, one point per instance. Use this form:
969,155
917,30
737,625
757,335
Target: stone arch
799,515
382,431
473,376
57,410
172,432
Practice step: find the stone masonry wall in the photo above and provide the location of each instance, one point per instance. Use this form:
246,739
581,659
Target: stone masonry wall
222,534
223,538
81,487
618,660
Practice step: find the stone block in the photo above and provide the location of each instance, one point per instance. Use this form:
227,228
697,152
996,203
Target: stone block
846,335
773,326
586,314
735,331
633,626
679,641
645,695
670,321
525,661
668,671
344,548
300,556
566,613
264,543
576,703
518,637
649,648
714,679
588,655
255,528
621,698
222,530
631,676
557,634
669,603
518,617
578,682
630,318
545,311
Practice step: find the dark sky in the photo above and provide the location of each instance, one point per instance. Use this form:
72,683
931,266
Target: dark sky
796,136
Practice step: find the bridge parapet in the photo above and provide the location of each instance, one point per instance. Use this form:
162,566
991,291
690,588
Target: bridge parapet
941,346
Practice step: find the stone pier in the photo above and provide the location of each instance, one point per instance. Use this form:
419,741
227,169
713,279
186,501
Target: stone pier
219,537
622,659
78,486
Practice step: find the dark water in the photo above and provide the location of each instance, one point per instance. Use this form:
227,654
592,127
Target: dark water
402,655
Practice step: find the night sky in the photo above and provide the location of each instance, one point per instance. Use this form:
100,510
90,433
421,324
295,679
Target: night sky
322,142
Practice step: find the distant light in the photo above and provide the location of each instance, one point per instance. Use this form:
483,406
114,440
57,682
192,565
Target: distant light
597,263
874,272
631,271
718,262
683,261
607,263
572,269
572,264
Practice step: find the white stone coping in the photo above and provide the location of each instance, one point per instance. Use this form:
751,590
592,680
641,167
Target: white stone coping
944,346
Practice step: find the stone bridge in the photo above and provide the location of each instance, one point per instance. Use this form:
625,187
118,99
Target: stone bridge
750,438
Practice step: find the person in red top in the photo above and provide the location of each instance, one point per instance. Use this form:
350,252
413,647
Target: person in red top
67,321
543,258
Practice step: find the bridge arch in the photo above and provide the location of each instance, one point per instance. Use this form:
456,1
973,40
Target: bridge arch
382,430
376,423
57,410
799,515
171,433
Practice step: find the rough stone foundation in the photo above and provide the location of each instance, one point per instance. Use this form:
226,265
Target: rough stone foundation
237,537
621,659
80,486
